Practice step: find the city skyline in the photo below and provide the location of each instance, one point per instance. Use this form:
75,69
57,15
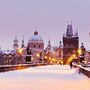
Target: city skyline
50,17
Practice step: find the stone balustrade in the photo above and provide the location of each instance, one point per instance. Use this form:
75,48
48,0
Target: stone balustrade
84,70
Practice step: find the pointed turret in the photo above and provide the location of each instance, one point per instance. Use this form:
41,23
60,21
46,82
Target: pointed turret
49,44
49,41
60,44
15,43
76,34
15,40
22,45
69,32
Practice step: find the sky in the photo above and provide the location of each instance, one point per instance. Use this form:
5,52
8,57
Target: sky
50,17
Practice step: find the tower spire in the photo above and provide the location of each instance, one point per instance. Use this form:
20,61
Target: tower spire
69,32
49,41
60,44
15,43
22,45
49,44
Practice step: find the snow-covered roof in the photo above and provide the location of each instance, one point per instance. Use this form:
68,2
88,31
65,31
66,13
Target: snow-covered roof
8,51
35,38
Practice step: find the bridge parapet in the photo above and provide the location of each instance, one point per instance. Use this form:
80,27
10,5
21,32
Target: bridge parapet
84,70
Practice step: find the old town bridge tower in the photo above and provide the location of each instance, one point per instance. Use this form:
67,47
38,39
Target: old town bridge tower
70,43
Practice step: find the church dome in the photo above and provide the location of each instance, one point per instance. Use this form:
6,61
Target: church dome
35,38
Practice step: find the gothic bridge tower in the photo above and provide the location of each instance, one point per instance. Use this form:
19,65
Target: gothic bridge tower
70,43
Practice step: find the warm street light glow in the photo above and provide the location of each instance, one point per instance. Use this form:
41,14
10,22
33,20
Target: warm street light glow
32,58
38,55
53,52
79,51
53,59
74,56
49,58
62,62
70,59
20,51
45,57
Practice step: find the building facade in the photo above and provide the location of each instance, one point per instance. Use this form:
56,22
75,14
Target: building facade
35,48
36,42
70,43
15,43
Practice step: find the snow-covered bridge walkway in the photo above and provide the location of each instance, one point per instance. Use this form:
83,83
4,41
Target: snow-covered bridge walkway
52,77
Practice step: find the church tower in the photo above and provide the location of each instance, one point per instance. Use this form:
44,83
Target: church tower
49,45
15,43
70,43
60,44
22,45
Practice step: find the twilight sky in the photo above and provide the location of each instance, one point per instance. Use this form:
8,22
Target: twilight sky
50,17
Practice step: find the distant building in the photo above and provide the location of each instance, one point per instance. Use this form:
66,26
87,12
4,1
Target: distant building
22,45
8,57
36,42
35,48
58,53
70,43
15,43
48,48
54,54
